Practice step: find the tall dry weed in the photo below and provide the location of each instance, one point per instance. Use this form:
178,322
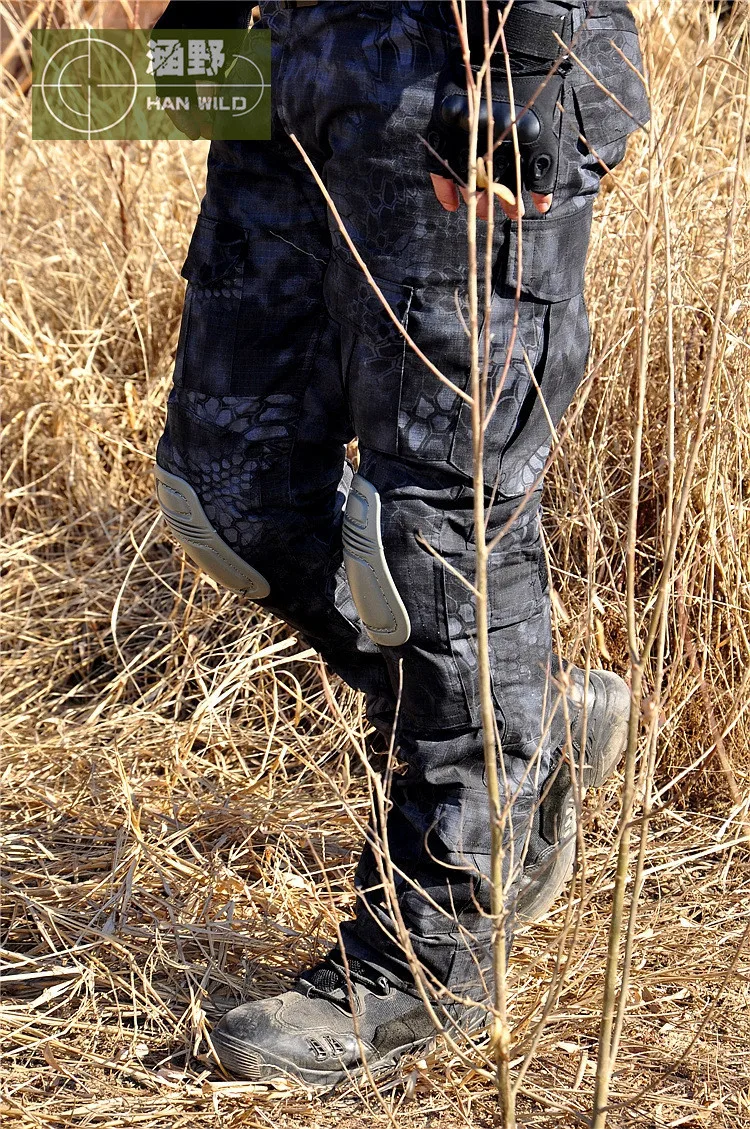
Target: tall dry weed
183,797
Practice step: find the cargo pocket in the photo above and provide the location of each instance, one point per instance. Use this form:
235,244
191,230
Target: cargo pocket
374,348
214,269
516,595
553,263
554,254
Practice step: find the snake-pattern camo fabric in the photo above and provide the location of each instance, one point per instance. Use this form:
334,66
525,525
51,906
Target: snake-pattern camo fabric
285,353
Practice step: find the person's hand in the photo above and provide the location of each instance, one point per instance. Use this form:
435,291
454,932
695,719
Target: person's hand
193,123
534,108
449,195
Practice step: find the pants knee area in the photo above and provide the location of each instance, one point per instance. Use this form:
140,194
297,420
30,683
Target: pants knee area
373,589
190,526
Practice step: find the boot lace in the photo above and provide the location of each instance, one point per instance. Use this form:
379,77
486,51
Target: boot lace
330,980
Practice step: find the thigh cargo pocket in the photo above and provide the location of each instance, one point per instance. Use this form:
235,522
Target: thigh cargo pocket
516,595
532,388
375,349
214,269
398,405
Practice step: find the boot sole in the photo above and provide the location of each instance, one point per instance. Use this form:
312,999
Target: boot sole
545,887
256,1065
243,1060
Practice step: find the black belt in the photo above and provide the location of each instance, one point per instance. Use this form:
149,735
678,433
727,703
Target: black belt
531,33
285,4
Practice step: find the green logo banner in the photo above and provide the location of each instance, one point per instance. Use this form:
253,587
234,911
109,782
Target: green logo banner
149,85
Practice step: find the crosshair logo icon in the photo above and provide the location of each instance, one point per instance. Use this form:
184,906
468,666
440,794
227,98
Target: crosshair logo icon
77,79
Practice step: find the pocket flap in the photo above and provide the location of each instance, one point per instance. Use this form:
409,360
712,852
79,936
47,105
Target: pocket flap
215,248
351,299
554,252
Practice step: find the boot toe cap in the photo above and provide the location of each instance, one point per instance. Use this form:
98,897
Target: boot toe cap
286,1035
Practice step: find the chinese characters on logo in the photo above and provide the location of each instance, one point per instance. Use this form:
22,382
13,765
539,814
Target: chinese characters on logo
205,57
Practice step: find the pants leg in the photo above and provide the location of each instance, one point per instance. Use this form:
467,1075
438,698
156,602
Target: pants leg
257,421
357,88
262,405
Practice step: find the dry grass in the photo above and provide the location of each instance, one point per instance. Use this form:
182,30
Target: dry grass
179,773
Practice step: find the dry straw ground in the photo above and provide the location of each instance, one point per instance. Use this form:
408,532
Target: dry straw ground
179,776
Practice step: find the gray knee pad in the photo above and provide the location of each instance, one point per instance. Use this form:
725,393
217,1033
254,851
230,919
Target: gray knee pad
381,609
185,517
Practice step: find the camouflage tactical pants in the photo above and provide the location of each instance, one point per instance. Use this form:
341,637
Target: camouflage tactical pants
285,353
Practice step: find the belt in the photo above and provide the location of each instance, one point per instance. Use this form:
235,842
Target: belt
256,12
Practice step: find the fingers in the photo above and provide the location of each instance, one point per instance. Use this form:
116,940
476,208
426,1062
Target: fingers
512,208
446,192
193,125
542,201
483,204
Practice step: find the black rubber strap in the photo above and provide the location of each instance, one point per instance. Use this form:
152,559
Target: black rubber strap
531,34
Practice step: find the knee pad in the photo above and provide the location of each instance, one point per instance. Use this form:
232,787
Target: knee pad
375,596
185,517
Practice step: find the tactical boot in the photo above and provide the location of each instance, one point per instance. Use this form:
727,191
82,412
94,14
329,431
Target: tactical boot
325,1028
550,858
